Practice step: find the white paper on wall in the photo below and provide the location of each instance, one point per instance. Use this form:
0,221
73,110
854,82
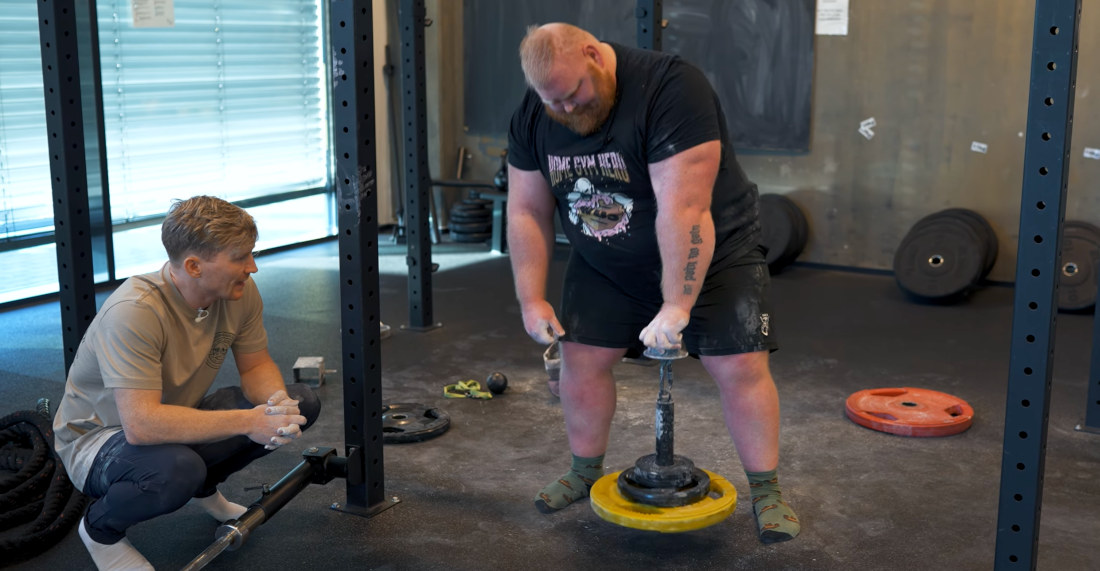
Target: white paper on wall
832,18
153,13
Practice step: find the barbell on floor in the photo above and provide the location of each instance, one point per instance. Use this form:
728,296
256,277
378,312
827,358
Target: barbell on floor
320,466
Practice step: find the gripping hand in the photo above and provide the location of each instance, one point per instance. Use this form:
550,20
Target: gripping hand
664,332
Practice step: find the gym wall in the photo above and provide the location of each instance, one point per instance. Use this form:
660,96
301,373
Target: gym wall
937,76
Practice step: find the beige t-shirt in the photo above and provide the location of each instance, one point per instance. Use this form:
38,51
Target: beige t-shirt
145,337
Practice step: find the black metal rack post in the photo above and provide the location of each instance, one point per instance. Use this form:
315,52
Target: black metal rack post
411,16
72,87
648,13
353,125
1042,210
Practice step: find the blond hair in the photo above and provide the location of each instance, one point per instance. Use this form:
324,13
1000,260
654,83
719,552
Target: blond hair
205,226
543,45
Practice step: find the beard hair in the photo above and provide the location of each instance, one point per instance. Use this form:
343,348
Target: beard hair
588,118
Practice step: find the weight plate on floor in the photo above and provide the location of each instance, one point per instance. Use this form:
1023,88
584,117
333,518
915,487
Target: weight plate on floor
1080,260
611,505
783,230
985,232
468,208
908,411
940,260
481,216
470,237
411,422
470,228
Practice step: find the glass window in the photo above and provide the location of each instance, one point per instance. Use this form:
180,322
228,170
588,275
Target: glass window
231,101
25,205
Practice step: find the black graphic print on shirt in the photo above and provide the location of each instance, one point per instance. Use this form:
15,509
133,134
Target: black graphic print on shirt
598,212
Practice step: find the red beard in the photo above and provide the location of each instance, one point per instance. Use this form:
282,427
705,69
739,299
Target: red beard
588,118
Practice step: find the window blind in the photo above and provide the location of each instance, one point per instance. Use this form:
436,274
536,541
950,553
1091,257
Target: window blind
25,204
230,101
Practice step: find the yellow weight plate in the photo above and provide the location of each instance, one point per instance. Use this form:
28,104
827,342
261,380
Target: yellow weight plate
610,504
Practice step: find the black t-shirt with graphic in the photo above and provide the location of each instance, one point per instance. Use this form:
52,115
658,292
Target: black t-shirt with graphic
601,181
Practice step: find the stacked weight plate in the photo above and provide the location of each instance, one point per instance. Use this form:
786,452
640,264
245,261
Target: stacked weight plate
471,220
783,229
945,256
1080,256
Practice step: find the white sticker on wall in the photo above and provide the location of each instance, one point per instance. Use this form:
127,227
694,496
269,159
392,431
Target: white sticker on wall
865,128
832,18
979,147
1091,153
153,13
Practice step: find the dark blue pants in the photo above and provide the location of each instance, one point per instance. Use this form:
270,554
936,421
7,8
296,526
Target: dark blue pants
132,484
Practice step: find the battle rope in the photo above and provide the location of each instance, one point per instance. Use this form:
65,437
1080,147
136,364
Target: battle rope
38,504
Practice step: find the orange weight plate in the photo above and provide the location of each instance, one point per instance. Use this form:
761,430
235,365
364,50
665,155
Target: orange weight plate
907,411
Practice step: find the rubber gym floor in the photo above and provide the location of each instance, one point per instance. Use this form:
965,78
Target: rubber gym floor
867,499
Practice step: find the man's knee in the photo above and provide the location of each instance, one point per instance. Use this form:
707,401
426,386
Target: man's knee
743,368
167,475
186,476
589,359
309,404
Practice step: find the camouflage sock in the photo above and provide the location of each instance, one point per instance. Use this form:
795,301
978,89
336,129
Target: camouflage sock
573,486
775,520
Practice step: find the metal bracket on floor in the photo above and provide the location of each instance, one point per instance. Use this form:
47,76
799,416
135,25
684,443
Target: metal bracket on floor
1087,428
357,477
368,512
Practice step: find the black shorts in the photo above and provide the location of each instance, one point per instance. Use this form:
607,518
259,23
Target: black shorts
731,316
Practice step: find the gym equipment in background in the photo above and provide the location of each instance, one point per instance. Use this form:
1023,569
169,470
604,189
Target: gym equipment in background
1080,255
664,492
945,256
908,411
784,230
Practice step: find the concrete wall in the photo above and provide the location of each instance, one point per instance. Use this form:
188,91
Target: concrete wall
937,75
443,92
384,14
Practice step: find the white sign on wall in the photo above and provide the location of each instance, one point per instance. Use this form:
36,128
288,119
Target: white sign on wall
832,18
153,13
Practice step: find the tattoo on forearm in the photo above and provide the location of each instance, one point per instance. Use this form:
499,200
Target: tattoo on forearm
689,272
689,269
